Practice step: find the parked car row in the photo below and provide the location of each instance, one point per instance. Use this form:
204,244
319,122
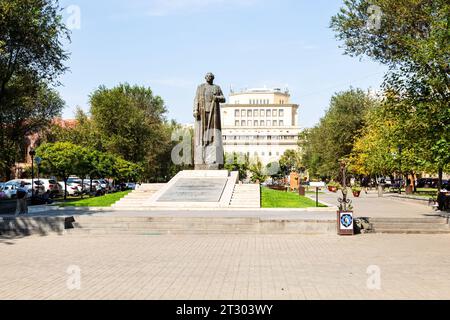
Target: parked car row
75,187
429,183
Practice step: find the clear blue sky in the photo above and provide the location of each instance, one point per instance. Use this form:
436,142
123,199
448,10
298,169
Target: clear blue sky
170,45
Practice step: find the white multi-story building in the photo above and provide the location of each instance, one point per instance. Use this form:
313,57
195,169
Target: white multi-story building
260,123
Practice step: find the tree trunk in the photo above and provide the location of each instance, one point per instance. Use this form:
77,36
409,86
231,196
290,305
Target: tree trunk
441,173
65,188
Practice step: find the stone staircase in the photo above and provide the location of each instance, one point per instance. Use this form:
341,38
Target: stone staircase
25,226
431,225
246,196
136,198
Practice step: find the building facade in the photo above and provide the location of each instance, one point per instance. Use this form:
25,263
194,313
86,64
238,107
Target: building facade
261,123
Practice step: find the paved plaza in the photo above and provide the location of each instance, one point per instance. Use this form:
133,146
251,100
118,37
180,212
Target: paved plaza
370,205
225,267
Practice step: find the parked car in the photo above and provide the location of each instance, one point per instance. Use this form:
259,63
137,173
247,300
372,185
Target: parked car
427,183
131,185
39,187
2,194
10,188
386,181
446,185
72,188
51,185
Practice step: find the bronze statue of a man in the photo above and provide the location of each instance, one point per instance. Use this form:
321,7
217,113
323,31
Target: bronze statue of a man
208,145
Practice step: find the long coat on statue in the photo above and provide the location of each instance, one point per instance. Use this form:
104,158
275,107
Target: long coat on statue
208,145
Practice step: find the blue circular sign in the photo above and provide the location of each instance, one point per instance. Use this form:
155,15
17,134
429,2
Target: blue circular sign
347,220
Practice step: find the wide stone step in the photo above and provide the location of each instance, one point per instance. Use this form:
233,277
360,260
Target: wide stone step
409,220
411,226
186,225
412,231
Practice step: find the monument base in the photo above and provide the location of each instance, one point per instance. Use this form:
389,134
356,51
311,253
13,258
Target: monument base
197,189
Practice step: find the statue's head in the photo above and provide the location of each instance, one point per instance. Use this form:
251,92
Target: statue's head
210,78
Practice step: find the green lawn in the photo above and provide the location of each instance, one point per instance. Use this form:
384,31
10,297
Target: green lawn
104,201
281,199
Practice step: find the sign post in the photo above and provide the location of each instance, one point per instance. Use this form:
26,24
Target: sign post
317,185
345,223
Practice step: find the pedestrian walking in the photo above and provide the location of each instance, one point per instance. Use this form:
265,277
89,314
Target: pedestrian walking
22,205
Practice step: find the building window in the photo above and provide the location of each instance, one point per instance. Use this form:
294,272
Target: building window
262,123
255,113
263,154
249,113
281,123
270,154
281,113
236,123
243,113
274,113
237,113
268,113
278,154
274,123
243,123
268,123
249,123
256,123
256,154
263,113
250,102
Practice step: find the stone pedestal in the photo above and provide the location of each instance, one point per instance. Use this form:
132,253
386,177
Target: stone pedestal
197,189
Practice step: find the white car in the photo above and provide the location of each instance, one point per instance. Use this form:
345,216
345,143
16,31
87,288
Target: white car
10,188
72,188
50,185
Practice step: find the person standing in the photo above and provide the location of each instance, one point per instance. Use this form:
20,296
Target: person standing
22,205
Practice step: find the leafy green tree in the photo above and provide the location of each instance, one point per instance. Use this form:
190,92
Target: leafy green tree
290,161
83,133
61,159
258,171
236,162
127,171
129,119
412,38
333,138
31,58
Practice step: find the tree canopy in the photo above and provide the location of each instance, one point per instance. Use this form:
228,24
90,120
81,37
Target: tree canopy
412,37
31,60
333,138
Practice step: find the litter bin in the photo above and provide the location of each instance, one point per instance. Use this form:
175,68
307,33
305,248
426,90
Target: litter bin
301,190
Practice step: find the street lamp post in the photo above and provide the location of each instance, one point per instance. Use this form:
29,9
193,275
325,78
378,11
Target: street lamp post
32,154
400,150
